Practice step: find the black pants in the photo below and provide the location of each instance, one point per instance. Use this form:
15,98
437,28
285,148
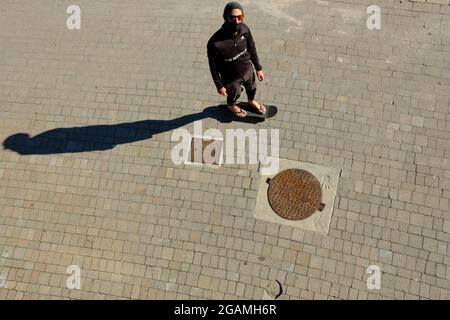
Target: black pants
234,89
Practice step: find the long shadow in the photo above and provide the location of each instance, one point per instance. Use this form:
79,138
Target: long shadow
104,137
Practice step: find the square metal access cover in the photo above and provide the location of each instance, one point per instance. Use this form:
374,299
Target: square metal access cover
205,151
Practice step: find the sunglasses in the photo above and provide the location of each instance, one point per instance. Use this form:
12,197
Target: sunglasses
239,17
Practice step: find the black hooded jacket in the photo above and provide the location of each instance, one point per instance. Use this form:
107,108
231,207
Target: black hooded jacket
230,55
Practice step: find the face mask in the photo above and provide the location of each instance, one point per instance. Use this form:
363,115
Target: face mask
233,27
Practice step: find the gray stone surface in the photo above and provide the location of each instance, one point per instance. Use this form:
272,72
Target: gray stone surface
372,102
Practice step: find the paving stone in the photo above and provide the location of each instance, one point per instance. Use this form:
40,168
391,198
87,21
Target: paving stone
142,227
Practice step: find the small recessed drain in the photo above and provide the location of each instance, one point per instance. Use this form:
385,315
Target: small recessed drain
274,289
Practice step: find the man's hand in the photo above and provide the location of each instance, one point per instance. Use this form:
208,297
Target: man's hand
222,91
260,75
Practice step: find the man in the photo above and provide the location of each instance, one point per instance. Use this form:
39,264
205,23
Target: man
231,53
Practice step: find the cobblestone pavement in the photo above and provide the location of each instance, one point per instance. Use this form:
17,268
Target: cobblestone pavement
372,102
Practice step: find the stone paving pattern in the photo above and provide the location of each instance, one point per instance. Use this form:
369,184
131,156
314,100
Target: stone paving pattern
372,102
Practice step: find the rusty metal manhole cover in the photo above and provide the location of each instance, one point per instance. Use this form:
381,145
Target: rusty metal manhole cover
295,194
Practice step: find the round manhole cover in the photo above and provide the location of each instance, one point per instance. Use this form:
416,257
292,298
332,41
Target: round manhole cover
294,194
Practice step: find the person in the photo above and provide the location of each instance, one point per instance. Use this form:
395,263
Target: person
232,58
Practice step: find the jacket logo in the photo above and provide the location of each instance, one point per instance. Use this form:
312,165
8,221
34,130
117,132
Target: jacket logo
236,56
